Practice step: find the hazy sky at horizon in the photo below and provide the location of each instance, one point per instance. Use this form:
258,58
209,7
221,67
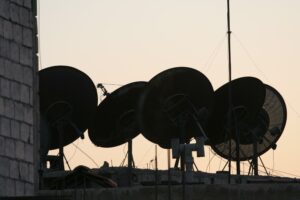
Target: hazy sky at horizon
121,41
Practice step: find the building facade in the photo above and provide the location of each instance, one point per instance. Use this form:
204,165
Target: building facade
18,98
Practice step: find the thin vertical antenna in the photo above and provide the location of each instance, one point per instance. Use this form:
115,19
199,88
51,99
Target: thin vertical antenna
229,42
230,102
229,70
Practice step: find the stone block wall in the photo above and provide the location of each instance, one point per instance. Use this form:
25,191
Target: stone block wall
18,98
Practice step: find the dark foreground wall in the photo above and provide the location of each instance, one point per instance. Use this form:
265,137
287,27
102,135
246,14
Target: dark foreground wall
18,97
195,192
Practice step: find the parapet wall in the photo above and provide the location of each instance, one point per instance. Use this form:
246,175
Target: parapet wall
192,192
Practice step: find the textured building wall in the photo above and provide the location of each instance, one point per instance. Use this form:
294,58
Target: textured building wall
18,97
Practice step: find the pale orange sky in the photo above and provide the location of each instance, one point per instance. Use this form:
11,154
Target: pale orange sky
121,41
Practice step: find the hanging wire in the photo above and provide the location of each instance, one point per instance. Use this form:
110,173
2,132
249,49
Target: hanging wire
125,155
283,172
123,161
74,152
67,162
260,71
278,172
114,84
221,159
210,159
84,153
260,171
293,108
146,153
250,57
214,54
124,146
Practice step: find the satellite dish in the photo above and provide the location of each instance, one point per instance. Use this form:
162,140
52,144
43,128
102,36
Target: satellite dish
115,122
171,98
248,95
259,124
68,101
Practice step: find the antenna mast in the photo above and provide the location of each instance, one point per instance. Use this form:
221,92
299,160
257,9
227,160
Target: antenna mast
229,40
231,117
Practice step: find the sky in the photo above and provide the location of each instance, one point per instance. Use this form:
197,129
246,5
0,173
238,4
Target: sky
121,41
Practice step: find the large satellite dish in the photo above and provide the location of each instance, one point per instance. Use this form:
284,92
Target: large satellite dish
115,122
172,98
247,95
68,101
259,117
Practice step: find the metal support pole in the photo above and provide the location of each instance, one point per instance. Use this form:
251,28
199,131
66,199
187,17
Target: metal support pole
169,174
183,172
59,127
255,160
176,163
225,165
129,154
156,174
250,168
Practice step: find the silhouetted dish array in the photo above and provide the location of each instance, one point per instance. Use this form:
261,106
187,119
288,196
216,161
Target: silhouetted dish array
177,103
